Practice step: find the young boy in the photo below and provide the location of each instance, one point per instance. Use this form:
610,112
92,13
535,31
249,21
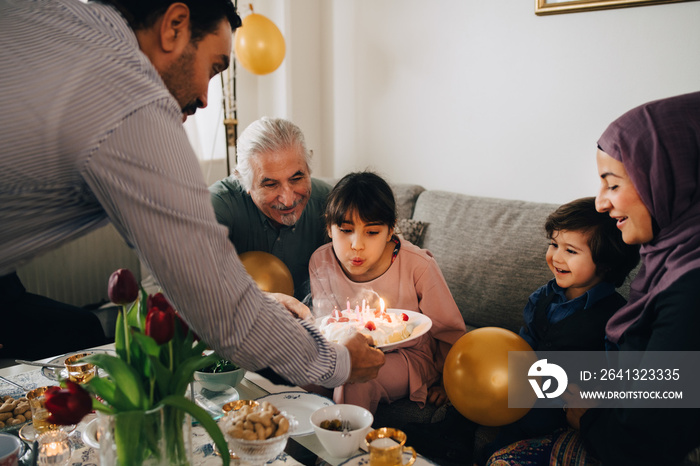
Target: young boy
589,260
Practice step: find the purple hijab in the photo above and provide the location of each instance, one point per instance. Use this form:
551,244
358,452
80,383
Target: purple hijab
659,145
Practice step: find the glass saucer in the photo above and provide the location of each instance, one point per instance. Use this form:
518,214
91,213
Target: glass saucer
212,402
28,434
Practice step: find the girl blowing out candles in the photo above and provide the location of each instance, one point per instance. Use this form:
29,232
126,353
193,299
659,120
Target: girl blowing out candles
365,254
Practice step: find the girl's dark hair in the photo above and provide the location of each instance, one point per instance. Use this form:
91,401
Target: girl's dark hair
365,193
614,259
205,15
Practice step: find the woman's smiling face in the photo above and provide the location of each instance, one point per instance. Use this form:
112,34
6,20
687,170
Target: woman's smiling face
619,198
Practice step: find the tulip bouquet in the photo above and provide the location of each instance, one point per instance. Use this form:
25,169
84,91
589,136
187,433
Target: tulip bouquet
157,355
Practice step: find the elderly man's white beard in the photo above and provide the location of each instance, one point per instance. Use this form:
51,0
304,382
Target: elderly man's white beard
288,219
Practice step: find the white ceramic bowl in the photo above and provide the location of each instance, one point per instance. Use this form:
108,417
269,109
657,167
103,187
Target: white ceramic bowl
219,381
10,447
333,441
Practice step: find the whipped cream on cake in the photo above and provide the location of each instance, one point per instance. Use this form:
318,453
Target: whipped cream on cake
383,327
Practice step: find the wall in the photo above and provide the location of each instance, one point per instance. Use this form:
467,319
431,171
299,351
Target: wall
486,98
480,97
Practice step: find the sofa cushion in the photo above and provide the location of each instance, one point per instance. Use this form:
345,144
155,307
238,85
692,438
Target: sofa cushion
491,252
411,230
406,196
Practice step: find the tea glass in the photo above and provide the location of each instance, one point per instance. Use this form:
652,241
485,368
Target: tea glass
386,447
40,414
78,371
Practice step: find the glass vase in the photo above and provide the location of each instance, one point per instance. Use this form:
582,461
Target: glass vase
162,436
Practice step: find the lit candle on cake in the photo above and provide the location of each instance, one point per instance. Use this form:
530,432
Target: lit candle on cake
382,306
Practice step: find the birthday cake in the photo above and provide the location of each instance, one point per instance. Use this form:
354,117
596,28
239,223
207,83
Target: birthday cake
383,327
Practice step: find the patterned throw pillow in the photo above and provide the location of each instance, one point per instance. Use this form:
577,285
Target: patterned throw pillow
411,230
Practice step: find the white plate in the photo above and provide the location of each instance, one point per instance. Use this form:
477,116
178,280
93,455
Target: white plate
421,324
90,434
54,373
300,405
363,460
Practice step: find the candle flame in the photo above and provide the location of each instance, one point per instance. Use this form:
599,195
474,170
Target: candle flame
382,306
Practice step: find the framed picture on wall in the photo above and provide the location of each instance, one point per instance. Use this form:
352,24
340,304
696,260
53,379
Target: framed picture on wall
551,7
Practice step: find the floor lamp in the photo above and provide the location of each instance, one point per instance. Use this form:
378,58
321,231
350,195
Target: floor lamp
228,86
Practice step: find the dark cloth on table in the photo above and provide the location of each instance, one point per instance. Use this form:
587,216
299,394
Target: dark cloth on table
36,327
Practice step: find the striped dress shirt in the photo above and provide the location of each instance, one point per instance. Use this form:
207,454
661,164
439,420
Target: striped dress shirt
88,134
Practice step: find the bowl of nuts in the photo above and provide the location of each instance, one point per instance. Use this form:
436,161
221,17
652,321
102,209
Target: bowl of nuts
255,432
14,413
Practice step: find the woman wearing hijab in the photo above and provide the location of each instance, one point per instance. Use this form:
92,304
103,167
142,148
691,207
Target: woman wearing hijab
649,167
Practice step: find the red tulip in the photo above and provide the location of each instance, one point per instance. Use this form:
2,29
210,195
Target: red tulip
67,405
123,287
160,320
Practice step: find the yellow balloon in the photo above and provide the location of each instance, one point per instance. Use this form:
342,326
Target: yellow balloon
259,44
476,376
268,272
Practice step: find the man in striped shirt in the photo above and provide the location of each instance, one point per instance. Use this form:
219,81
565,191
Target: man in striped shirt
93,97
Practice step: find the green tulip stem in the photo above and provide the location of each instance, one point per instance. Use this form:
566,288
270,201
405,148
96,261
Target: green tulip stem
127,345
152,391
170,353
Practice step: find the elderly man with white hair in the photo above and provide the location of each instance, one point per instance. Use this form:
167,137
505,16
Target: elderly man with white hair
271,203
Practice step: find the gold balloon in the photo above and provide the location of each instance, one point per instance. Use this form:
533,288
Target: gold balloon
259,44
268,272
476,376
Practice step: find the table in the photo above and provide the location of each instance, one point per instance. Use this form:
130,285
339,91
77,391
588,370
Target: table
301,450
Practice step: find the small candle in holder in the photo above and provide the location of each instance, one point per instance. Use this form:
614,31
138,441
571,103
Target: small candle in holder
54,448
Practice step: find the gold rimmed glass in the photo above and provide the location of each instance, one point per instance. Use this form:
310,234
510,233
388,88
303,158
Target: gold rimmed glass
78,371
40,415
